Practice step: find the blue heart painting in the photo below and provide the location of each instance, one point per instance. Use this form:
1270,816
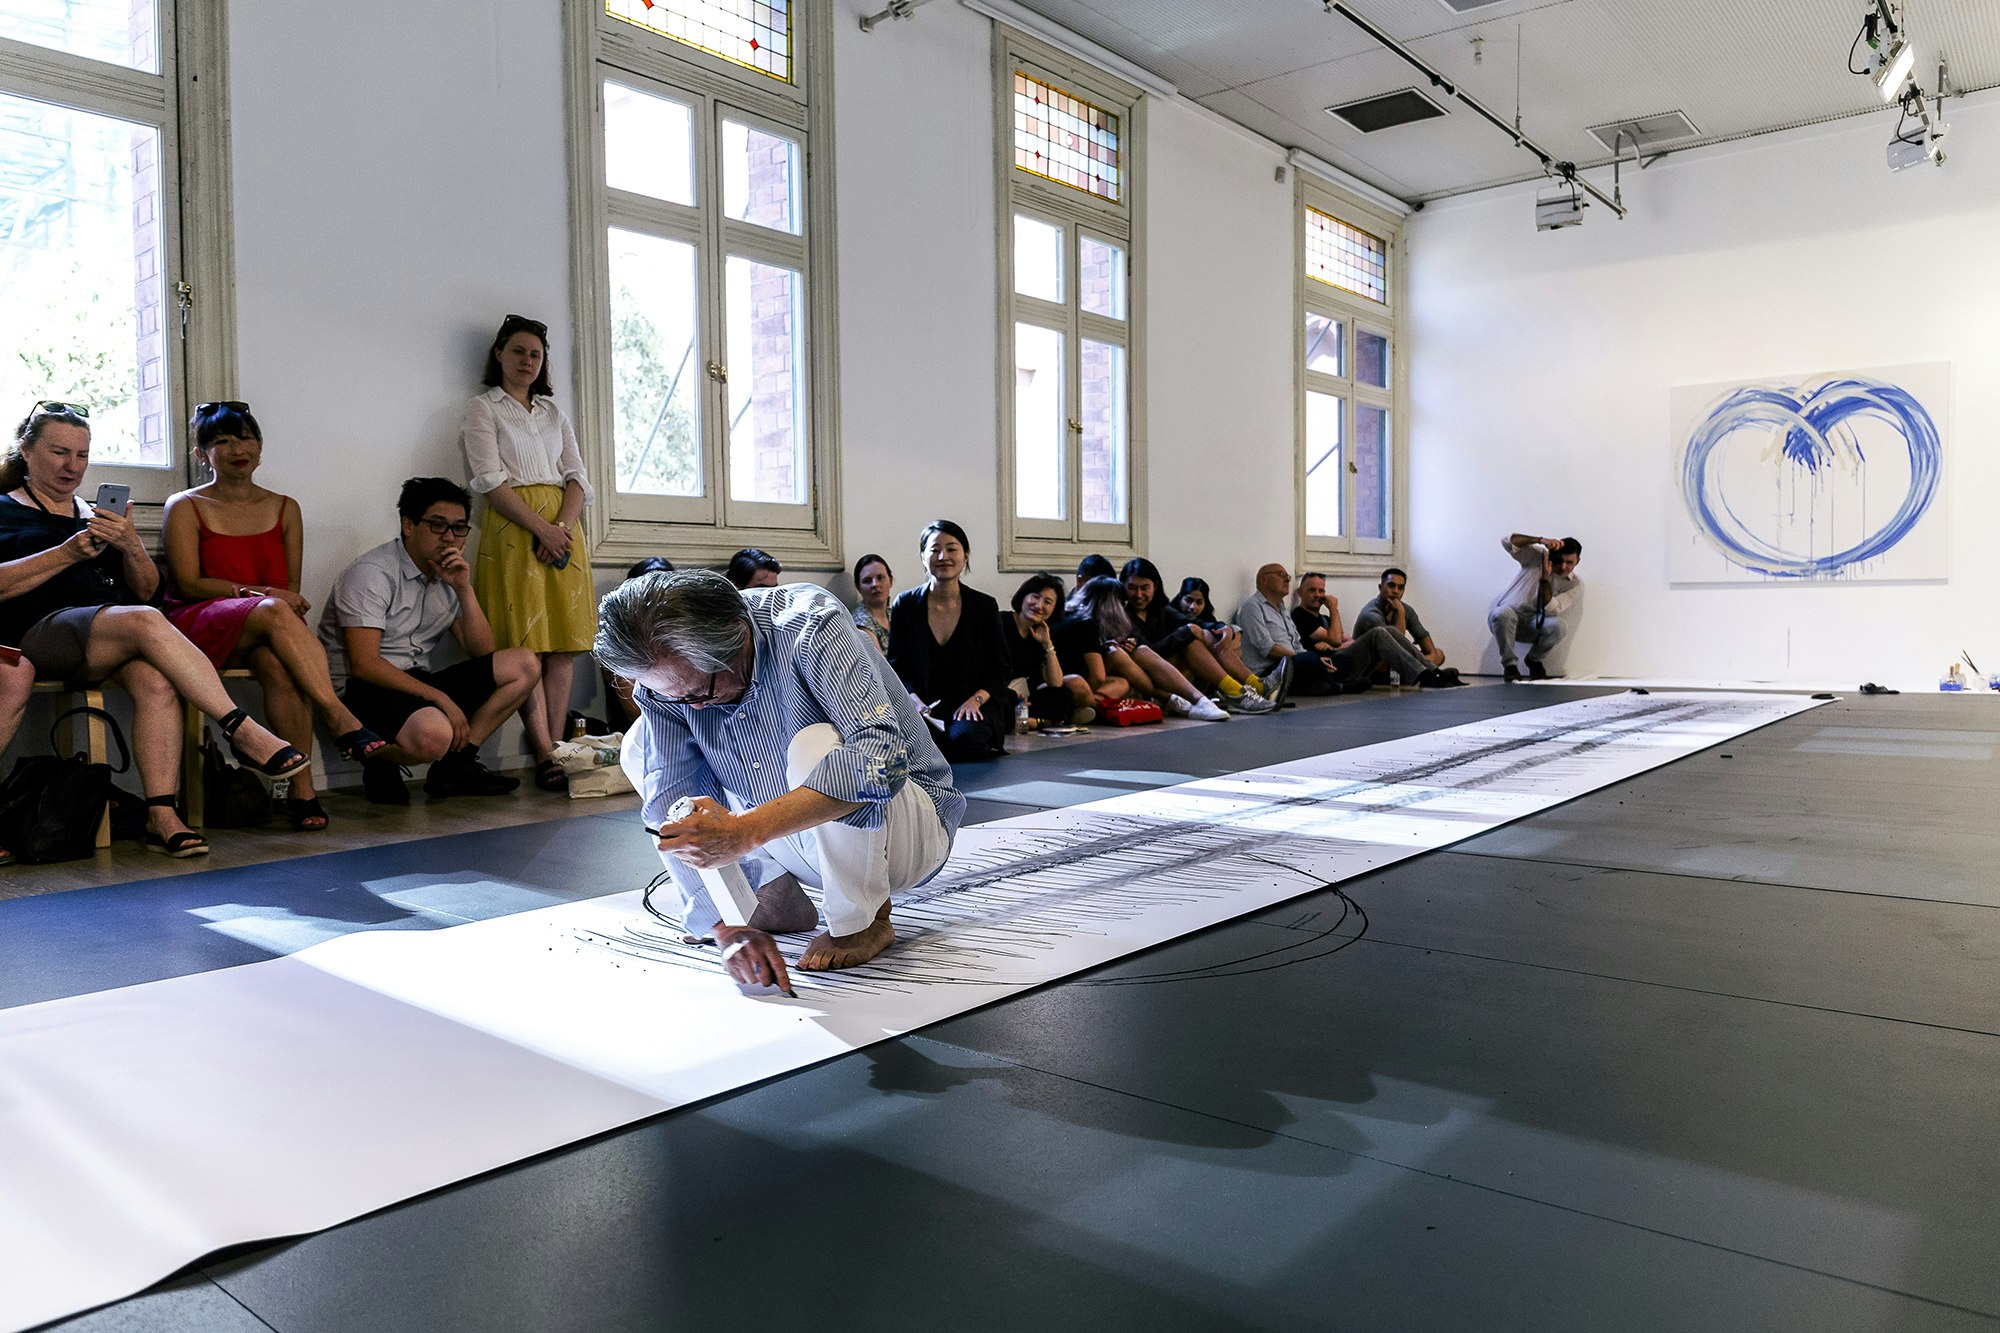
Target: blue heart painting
1816,479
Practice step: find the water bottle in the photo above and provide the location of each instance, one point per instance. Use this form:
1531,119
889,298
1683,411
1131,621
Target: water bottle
1022,719
1395,681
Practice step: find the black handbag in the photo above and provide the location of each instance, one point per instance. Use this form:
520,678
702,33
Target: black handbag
233,796
51,804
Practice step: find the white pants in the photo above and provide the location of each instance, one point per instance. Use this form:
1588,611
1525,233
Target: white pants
855,869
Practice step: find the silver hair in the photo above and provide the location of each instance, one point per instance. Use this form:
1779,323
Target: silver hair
694,615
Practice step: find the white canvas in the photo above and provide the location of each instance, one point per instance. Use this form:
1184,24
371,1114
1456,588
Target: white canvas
1810,478
145,1127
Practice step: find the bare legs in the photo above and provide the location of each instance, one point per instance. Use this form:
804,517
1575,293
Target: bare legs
16,682
546,709
156,733
124,636
426,735
1165,680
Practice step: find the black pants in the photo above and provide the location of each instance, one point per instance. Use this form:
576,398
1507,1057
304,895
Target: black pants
969,740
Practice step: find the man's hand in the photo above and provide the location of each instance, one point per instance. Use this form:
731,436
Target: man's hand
452,566
709,836
461,727
751,957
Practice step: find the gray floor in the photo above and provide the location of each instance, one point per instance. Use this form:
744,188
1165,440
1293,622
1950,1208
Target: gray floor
1715,1048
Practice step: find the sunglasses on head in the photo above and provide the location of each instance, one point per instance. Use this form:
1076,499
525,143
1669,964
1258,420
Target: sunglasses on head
226,405
515,323
48,407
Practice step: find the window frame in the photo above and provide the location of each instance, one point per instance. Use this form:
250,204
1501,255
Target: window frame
1349,554
187,101
1027,543
706,529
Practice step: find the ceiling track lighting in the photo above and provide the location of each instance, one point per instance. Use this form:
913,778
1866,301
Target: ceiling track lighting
898,9
1892,60
1571,186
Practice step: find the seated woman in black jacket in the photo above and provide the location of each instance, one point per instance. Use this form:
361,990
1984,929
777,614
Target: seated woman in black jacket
944,641
1034,665
1201,655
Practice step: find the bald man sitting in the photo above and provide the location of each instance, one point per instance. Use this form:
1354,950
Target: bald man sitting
1272,648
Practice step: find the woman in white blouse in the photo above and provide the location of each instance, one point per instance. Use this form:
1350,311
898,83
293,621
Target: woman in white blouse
533,572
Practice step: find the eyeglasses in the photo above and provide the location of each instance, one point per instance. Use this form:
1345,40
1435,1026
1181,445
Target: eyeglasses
707,694
515,322
1395,587
48,407
227,405
440,527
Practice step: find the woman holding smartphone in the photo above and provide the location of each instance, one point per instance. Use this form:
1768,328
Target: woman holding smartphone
73,578
533,573
233,551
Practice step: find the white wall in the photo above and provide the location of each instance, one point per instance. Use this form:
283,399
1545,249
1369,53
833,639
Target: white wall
1541,365
395,197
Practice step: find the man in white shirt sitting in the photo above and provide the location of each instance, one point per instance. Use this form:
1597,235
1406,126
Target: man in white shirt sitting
1541,606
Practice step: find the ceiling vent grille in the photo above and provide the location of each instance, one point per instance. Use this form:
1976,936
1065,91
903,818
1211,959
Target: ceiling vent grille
1467,6
1387,111
1649,131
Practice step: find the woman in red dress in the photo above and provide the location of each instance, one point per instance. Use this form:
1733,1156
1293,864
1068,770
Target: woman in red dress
233,554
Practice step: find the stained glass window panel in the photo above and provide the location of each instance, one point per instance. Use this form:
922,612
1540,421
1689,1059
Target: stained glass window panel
756,34
1060,136
1346,257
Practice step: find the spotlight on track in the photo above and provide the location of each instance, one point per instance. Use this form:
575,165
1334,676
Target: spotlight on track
1559,205
1891,56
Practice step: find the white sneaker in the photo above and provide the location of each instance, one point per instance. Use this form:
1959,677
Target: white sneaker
1249,702
1176,706
1204,710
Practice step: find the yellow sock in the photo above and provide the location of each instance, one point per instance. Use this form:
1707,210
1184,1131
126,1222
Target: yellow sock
1254,683
1230,689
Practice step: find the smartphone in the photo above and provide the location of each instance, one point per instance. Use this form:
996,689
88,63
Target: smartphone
112,497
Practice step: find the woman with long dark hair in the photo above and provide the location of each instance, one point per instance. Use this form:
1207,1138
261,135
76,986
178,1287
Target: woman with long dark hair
1204,657
1100,639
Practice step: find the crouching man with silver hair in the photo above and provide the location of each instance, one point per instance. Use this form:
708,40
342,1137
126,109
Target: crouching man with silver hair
804,761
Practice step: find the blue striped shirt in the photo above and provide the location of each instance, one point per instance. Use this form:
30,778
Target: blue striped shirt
812,665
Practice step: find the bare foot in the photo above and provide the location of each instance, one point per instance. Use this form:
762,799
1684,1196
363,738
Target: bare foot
828,953
783,908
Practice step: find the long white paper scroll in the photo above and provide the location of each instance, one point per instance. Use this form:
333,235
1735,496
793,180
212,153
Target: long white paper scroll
143,1128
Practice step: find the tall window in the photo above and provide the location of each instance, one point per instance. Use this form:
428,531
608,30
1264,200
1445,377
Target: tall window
1071,454
1350,377
102,306
703,324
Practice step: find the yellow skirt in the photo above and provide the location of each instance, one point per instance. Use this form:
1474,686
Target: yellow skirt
530,604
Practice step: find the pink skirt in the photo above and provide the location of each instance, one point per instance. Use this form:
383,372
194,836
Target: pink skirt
214,626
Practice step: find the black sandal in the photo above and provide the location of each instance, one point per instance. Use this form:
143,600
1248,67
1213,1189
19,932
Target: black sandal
180,845
359,743
302,812
549,776
287,761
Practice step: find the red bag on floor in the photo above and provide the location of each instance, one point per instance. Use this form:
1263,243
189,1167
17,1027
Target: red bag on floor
1128,712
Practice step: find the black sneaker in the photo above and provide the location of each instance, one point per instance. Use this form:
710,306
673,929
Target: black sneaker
382,782
1536,671
1511,673
461,774
1439,678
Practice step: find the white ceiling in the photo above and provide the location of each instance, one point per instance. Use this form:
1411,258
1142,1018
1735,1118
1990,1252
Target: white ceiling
1735,67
